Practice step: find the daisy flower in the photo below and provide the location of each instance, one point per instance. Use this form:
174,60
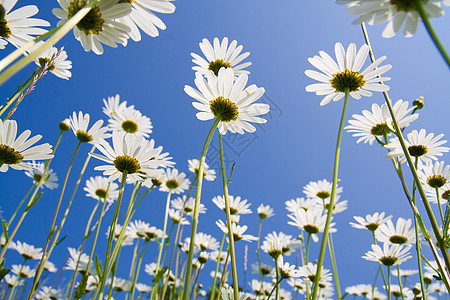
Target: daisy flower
120,284
287,270
130,121
237,206
359,290
402,233
57,58
98,26
390,255
238,231
220,55
36,173
27,251
376,124
23,271
129,240
17,27
312,221
404,272
188,206
227,293
225,98
273,246
79,125
345,75
14,151
434,175
299,203
421,146
288,244
174,182
49,293
142,16
50,267
444,193
339,206
12,280
114,106
265,269
140,229
208,174
64,125
397,292
78,262
309,271
131,154
99,187
320,190
143,288
371,222
394,12
206,241
265,211
176,217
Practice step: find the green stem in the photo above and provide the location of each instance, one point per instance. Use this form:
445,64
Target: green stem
258,253
229,226
138,269
187,276
19,206
213,292
307,248
431,32
277,272
332,198
389,282
400,281
439,204
334,265
132,266
161,245
379,263
58,34
102,212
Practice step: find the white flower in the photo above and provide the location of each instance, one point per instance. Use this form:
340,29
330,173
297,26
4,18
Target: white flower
309,271
265,211
175,215
14,151
60,66
422,146
345,75
130,121
174,182
434,175
23,271
444,193
142,16
287,270
320,190
131,154
113,106
99,187
394,12
402,233
374,125
300,203
12,280
273,245
208,174
78,262
36,172
98,26
371,222
359,290
79,125
50,267
129,239
27,251
390,255
225,98
143,288
49,293
180,203
206,242
288,244
220,55
311,221
237,230
237,206
228,294
404,273
142,229
17,27
339,206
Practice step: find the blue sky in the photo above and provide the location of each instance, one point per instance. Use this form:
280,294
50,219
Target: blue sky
296,145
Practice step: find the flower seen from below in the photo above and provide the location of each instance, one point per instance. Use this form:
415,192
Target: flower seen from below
99,187
130,121
79,124
57,58
371,222
50,179
389,255
345,75
208,174
174,182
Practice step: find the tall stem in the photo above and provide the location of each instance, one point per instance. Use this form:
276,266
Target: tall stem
332,198
213,289
187,276
229,226
334,265
163,238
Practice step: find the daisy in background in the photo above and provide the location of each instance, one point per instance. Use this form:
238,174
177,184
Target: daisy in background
389,255
312,221
27,251
57,58
99,25
237,206
265,211
79,124
225,98
396,13
421,146
113,105
433,177
17,27
238,231
142,17
299,203
99,187
401,233
320,190
371,222
346,75
15,151
174,182
180,203
130,121
377,124
220,55
36,173
208,174
132,155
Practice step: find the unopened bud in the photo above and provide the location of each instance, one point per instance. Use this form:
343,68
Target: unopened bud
64,125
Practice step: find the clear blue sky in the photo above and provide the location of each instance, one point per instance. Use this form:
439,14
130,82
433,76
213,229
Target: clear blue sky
294,147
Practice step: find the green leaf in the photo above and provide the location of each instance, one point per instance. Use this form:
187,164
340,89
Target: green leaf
446,221
422,227
159,275
3,271
98,267
5,229
62,239
81,289
34,201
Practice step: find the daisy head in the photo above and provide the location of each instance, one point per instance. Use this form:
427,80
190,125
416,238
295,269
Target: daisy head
265,211
227,99
208,174
237,205
421,146
130,121
371,222
15,151
237,230
55,60
79,124
49,180
98,25
434,175
401,233
114,106
174,182
220,55
389,255
320,190
99,187
311,221
346,76
27,251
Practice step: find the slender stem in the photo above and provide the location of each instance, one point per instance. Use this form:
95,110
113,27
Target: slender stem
426,21
439,204
400,282
379,263
187,276
389,282
334,265
277,283
229,226
161,244
59,34
132,267
20,205
261,275
423,195
307,248
133,286
102,212
213,289
332,198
